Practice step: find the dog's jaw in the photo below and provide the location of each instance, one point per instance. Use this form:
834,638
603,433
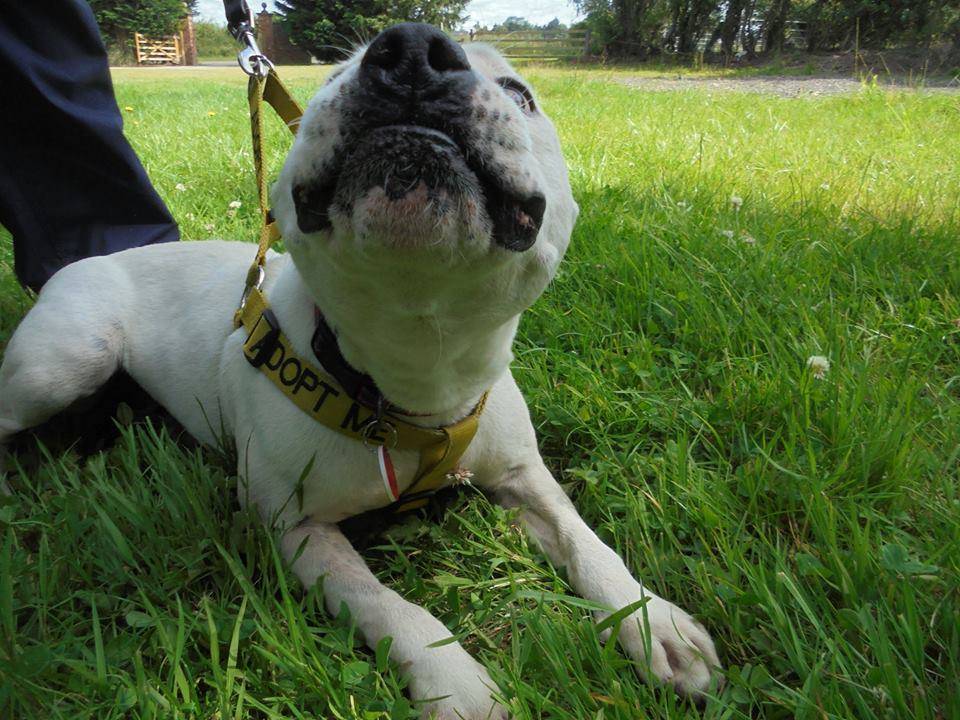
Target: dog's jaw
430,318
432,343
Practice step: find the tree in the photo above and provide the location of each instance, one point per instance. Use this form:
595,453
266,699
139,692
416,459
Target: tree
689,23
554,28
121,18
730,27
775,25
213,40
515,24
628,27
330,29
644,27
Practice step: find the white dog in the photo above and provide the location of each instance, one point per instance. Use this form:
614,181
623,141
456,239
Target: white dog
425,204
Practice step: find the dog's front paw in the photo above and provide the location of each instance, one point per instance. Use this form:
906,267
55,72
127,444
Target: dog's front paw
460,691
681,652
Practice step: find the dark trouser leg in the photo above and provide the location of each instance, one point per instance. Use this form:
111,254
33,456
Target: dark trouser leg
70,184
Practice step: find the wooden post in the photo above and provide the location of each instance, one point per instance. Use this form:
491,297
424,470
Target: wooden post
188,42
275,43
264,28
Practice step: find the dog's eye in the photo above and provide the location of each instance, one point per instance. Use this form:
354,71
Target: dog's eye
519,93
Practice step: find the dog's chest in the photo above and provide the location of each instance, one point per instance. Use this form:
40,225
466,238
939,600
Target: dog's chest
308,470
297,467
358,480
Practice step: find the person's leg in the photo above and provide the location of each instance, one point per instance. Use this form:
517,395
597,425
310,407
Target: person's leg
70,184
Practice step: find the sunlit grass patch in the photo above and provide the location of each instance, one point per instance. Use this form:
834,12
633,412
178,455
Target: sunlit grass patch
807,514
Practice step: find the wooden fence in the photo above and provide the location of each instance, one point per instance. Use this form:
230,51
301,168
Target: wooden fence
534,44
158,51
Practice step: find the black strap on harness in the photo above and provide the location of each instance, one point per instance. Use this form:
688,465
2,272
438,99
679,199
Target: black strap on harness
238,14
326,348
240,24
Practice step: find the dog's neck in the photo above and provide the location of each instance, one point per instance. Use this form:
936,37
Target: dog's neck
436,365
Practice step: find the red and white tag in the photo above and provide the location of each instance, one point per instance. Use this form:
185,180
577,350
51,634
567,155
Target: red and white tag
387,473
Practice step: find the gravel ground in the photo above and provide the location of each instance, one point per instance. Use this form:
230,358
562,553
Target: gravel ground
783,86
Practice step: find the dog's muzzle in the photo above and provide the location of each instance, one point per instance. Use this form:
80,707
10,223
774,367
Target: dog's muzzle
406,127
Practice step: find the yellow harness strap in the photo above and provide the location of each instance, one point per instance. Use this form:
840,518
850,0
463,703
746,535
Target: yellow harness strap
306,386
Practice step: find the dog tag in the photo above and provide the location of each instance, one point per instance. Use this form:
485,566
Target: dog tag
387,473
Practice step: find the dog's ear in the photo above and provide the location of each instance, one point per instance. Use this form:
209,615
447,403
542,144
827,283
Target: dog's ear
312,203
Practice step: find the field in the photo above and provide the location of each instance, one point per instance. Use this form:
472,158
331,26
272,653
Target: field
812,523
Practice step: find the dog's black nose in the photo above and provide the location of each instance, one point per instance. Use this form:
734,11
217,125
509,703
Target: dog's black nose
413,57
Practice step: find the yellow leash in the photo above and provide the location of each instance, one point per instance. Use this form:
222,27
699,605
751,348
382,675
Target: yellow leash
259,89
310,388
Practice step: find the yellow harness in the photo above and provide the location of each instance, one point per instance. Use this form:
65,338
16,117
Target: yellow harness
311,389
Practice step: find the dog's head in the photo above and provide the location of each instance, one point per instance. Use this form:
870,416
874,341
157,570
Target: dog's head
422,162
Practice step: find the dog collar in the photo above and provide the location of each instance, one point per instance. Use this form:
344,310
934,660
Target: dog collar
359,385
327,351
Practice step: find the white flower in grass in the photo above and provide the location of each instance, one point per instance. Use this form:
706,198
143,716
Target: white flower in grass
180,187
736,201
209,227
728,234
746,238
460,476
819,366
235,205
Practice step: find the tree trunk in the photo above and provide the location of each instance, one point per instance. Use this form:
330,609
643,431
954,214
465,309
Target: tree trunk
730,27
670,37
693,22
747,36
776,26
814,26
714,36
685,30
628,14
954,54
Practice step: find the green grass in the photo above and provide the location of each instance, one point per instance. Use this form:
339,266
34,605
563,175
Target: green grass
812,524
214,42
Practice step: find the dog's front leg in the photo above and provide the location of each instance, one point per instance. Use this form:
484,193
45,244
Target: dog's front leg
680,650
451,682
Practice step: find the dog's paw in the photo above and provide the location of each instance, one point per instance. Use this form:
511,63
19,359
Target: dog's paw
451,710
681,651
459,693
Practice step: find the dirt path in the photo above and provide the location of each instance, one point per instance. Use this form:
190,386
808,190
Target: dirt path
781,85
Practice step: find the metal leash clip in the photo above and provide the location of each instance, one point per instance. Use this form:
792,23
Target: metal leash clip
251,59
378,425
253,283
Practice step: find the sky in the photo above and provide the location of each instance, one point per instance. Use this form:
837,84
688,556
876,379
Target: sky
486,12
